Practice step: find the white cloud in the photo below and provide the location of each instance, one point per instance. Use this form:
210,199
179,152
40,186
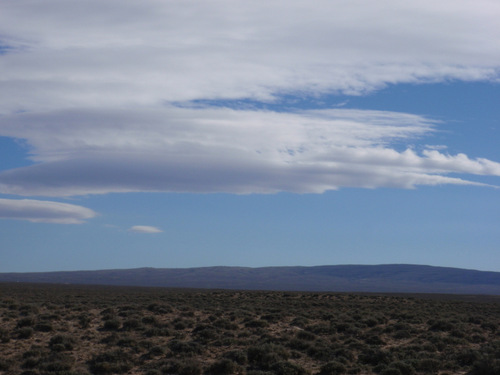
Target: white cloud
224,150
144,229
44,211
117,53
92,89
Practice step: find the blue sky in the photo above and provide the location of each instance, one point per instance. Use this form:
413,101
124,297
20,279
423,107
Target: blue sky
167,134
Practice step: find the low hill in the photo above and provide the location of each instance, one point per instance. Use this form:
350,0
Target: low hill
394,278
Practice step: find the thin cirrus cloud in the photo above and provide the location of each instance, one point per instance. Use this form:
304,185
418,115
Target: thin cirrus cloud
44,211
102,92
144,229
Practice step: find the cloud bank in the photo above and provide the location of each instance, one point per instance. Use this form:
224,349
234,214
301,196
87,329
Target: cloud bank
122,52
103,93
144,229
44,211
205,150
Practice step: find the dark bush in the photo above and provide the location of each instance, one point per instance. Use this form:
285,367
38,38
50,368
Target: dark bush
182,368
158,308
5,364
487,365
184,347
305,335
402,334
150,320
427,365
467,357
375,357
30,362
44,327
28,321
225,324
155,331
374,340
370,322
441,325
113,362
238,356
132,325
224,367
126,342
490,326
205,332
59,343
333,368
300,322
4,336
404,368
111,339
111,325
272,318
28,309
156,351
266,355
321,351
256,324
25,332
84,321
56,363
299,344
390,371
287,368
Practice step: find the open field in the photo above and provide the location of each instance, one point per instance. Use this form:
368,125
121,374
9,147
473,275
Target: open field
67,329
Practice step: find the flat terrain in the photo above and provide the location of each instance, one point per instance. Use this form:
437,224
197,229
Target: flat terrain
66,329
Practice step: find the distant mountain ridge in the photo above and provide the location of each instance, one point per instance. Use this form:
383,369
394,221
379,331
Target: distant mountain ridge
390,278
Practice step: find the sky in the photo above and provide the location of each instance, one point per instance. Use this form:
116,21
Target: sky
265,133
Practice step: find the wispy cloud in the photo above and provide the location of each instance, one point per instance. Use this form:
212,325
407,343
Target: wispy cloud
144,229
92,87
44,211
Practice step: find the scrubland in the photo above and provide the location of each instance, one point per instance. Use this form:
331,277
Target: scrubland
65,329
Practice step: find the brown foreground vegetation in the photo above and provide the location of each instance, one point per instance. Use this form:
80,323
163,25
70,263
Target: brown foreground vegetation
63,329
